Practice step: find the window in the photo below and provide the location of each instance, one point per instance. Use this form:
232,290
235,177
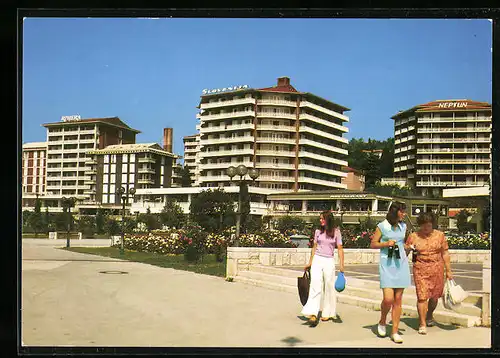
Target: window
112,179
124,178
105,199
106,169
106,158
131,168
131,178
132,158
105,188
113,168
112,188
124,167
113,158
112,198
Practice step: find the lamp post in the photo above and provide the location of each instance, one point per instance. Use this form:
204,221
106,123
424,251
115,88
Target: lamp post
241,170
124,195
68,203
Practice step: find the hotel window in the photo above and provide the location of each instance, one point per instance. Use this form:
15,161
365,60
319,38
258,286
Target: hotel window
124,178
113,168
113,158
132,158
112,179
106,158
106,169
131,168
112,198
112,189
124,167
105,188
105,199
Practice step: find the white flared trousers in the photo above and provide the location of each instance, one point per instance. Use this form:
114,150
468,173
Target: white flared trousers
322,289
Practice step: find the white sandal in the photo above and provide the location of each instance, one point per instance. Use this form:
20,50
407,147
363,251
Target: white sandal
422,330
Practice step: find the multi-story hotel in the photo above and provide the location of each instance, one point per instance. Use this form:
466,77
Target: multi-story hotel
443,144
139,166
295,139
192,155
33,169
68,142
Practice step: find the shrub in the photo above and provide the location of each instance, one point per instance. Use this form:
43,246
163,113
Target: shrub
196,246
86,224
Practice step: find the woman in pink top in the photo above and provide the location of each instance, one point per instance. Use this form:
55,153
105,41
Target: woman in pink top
322,265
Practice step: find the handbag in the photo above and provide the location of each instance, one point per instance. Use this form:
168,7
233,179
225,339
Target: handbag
447,301
340,282
303,283
457,293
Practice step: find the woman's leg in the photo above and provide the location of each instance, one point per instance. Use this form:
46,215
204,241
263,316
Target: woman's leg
433,302
314,300
386,305
422,312
330,298
397,307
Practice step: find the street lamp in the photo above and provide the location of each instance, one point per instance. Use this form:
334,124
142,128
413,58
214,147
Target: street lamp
68,203
124,195
241,170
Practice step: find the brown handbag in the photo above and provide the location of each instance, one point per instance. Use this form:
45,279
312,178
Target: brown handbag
303,283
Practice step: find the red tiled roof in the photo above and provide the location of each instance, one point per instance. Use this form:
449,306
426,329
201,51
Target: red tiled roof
437,106
285,88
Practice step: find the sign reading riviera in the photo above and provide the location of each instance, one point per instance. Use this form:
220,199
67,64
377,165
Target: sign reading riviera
70,118
225,89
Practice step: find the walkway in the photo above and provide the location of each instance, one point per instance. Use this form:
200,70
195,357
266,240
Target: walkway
86,300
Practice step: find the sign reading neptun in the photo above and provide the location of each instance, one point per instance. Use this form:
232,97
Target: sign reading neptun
70,118
225,89
452,105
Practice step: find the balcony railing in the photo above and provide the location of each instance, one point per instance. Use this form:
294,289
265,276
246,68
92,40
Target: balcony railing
453,171
453,140
324,110
146,170
263,114
217,153
224,166
322,146
147,160
271,165
233,102
234,139
270,127
275,140
323,122
455,119
224,128
449,183
219,116
453,150
279,102
326,159
304,179
145,181
323,134
451,161
318,169
276,178
468,129
279,153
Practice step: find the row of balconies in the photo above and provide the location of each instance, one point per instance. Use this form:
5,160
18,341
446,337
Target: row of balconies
405,139
450,183
455,119
453,161
404,149
457,129
264,178
452,150
453,171
404,130
453,140
72,132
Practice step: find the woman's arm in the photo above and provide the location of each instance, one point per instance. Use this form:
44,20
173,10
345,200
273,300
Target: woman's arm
446,258
312,255
340,250
376,244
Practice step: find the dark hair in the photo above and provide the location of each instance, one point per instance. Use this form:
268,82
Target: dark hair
330,224
392,214
425,218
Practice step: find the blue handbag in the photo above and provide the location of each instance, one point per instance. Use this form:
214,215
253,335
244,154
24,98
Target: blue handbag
340,282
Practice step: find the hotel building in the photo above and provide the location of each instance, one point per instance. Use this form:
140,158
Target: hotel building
33,171
443,144
295,139
139,166
68,142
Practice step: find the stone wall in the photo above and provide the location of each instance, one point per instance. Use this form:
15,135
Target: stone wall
240,258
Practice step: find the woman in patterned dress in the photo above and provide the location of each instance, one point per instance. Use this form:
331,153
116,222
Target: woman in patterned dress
393,267
428,270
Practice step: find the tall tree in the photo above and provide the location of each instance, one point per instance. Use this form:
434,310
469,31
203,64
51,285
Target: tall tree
213,210
372,170
36,219
100,221
387,159
186,179
172,215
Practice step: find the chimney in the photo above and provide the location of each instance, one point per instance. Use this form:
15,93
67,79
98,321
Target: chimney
283,81
167,139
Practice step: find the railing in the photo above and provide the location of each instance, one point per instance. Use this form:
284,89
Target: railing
282,153
451,161
398,181
233,102
324,110
262,114
209,117
147,160
323,134
450,183
145,181
453,171
327,183
454,150
455,119
272,165
305,153
146,170
277,102
322,146
322,170
224,165
227,128
452,140
323,122
209,141
270,127
227,152
276,140
275,178
468,129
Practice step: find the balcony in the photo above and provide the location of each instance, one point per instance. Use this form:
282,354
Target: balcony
220,116
232,139
146,170
276,115
56,151
224,128
449,183
394,181
216,178
276,153
322,146
324,110
91,171
275,140
271,165
326,183
277,102
145,181
323,158
446,130
453,161
323,122
89,191
190,150
223,166
223,153
86,131
453,150
70,169
403,159
322,170
317,132
453,140
276,178
90,181
454,171
270,127
147,160
234,102
454,119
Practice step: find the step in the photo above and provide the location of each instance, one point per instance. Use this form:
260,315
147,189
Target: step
473,298
441,315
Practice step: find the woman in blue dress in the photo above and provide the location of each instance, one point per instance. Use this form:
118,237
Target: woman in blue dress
394,268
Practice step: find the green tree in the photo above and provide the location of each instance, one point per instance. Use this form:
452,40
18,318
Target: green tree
186,179
245,207
87,225
36,220
172,215
46,220
390,190
287,223
387,159
111,227
372,170
100,221
152,221
61,221
213,210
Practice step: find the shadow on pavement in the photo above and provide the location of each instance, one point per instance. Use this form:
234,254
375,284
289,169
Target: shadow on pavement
291,341
373,328
413,323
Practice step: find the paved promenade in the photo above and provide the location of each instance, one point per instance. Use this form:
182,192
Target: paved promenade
67,300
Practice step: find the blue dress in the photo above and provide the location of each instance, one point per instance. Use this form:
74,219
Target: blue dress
394,273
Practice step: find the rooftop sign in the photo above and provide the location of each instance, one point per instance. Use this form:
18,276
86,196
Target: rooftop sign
452,105
225,89
70,118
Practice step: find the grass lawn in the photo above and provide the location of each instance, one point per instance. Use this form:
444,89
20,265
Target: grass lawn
209,266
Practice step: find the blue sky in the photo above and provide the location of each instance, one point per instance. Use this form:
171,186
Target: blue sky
150,72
